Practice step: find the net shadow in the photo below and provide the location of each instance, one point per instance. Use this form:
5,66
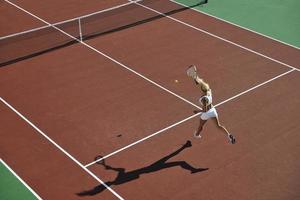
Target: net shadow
157,16
32,44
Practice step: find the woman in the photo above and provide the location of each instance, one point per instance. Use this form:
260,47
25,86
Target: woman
209,111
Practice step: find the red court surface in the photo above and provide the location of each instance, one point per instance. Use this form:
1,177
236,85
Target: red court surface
95,116
226,31
162,54
9,14
264,164
40,164
56,11
90,105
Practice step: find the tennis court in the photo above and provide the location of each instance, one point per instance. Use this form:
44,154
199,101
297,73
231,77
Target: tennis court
96,103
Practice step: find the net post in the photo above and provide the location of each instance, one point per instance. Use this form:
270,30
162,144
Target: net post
80,31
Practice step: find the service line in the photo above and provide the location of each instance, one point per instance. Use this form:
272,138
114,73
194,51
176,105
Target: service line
188,118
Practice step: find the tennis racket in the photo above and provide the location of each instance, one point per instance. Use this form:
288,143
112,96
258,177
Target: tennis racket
192,71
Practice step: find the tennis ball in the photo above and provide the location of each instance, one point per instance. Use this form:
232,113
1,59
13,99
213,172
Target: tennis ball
176,81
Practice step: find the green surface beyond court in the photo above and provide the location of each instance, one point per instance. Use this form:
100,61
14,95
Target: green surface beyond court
275,18
11,188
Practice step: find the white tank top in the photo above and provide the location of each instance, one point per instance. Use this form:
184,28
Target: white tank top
207,97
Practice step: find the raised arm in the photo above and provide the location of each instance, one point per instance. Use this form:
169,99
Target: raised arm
203,85
198,80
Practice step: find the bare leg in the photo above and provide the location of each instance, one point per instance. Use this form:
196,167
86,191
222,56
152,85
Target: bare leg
200,127
217,122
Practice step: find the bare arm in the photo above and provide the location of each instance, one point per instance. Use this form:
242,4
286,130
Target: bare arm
198,80
204,86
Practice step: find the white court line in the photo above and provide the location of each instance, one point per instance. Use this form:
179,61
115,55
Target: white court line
141,140
60,148
218,37
292,68
85,168
90,47
188,118
21,180
108,57
259,85
247,29
69,20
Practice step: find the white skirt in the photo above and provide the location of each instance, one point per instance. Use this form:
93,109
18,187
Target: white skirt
209,114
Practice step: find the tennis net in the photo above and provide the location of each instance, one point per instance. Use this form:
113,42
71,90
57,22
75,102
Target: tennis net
28,44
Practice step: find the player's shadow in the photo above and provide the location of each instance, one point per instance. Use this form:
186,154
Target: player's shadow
124,177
